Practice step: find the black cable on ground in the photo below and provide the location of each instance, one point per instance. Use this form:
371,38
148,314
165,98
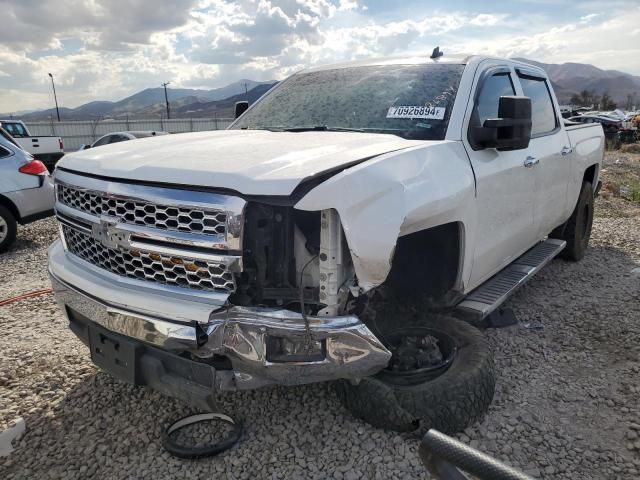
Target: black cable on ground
183,451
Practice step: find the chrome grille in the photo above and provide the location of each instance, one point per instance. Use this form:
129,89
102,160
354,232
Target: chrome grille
137,212
139,264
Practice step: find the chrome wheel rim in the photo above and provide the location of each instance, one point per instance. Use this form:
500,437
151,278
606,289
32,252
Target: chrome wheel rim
4,229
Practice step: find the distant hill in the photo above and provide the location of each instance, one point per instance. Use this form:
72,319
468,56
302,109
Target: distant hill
572,78
222,108
151,102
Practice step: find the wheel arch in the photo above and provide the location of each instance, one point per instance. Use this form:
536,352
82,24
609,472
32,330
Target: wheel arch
591,174
430,262
6,202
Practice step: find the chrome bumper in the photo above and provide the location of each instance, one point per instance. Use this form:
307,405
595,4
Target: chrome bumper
241,334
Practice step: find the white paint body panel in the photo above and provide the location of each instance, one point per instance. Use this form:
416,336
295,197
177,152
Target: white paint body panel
247,161
40,145
394,195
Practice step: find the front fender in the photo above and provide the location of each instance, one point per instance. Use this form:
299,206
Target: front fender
396,194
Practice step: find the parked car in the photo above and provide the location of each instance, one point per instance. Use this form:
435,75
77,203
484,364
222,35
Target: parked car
46,149
609,125
273,252
26,189
117,137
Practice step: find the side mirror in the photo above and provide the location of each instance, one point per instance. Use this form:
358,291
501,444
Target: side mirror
241,107
511,131
84,147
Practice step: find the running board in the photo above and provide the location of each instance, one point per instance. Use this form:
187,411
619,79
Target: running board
492,293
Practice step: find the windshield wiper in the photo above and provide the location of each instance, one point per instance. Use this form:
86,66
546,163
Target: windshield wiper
315,128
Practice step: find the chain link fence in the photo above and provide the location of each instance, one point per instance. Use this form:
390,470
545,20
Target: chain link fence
76,133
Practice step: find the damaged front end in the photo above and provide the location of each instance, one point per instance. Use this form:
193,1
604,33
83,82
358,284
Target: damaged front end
293,317
287,313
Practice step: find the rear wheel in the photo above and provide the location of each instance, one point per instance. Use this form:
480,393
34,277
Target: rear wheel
577,230
448,396
8,228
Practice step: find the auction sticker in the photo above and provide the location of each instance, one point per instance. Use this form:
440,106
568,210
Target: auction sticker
407,111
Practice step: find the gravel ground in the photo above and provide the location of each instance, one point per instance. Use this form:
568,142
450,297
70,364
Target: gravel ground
567,404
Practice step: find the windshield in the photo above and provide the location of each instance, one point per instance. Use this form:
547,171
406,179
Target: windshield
412,101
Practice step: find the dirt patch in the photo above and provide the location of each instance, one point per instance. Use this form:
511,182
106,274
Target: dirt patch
620,192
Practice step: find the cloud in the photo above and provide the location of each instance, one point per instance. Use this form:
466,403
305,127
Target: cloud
606,44
488,20
588,18
106,24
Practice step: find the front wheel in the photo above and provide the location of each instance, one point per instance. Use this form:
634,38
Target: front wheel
8,228
577,230
448,398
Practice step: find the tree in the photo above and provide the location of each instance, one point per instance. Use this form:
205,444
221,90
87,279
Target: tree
585,98
607,103
575,99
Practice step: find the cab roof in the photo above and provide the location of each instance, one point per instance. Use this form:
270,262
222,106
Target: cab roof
425,59
395,60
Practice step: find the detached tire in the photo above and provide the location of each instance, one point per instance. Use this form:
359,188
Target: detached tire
448,403
577,230
8,228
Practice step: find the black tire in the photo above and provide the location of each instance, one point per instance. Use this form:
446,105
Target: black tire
577,230
448,403
8,228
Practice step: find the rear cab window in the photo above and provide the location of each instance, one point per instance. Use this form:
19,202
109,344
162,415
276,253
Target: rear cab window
543,113
16,130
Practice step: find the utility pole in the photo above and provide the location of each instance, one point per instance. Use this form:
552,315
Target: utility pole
55,96
166,99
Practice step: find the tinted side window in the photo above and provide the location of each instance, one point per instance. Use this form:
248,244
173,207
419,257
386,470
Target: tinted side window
542,112
102,141
492,89
118,138
4,152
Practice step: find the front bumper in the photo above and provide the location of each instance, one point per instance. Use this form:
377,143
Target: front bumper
242,335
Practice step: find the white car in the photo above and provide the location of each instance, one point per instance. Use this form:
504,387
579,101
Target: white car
322,236
26,190
47,149
116,137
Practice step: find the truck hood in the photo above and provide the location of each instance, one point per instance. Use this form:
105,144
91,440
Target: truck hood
252,162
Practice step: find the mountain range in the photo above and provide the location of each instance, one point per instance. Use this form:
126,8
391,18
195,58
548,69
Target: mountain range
567,79
184,102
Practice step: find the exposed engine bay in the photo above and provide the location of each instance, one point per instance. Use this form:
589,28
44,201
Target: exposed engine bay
293,258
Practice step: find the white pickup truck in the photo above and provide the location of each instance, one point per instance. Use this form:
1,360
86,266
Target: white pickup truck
334,232
46,149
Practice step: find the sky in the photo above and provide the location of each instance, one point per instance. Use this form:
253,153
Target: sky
109,49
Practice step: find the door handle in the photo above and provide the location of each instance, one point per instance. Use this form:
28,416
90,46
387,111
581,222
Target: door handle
566,151
531,162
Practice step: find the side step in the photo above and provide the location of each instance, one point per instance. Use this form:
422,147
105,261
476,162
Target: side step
492,293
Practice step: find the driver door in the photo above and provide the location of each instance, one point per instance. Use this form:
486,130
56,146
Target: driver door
505,188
